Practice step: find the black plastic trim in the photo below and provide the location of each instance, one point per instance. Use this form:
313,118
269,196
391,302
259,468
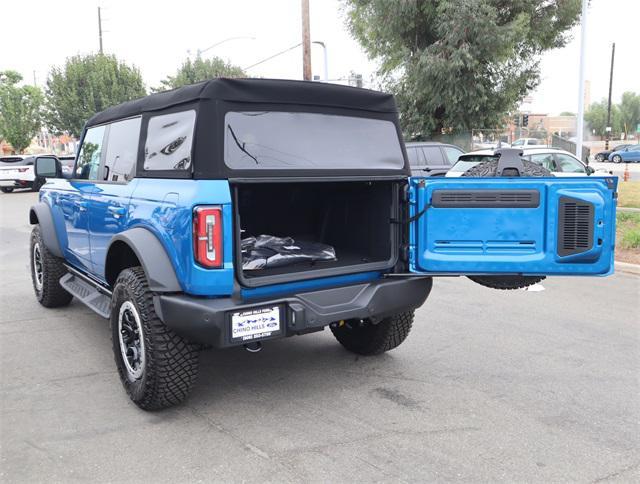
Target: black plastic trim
48,230
205,320
485,199
157,266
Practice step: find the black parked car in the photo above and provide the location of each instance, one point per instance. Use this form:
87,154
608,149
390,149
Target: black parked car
431,158
604,155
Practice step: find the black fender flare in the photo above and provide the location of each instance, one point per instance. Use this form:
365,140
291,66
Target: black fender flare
40,214
153,257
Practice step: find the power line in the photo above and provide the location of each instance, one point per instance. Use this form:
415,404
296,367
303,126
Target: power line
272,56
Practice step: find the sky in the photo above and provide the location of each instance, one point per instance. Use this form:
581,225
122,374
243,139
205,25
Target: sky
157,36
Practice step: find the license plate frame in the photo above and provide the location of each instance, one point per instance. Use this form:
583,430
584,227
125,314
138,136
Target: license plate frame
256,323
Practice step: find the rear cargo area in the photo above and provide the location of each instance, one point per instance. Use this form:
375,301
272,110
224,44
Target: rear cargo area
354,218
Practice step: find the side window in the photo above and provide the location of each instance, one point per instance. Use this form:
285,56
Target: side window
569,164
415,156
452,154
169,141
88,163
433,155
122,150
545,160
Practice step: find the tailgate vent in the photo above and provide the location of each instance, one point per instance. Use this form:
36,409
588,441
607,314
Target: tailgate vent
485,198
575,226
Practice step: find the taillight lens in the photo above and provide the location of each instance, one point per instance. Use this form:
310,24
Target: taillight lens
207,236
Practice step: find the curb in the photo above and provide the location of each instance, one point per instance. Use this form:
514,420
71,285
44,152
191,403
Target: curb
628,268
627,209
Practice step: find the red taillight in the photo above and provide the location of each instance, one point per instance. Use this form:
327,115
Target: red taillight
207,236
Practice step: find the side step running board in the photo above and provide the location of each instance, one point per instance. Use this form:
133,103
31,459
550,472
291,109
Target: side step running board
87,293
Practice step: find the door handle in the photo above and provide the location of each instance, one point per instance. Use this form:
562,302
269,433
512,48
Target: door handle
117,212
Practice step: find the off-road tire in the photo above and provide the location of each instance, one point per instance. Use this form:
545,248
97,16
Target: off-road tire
170,362
490,168
617,159
51,294
365,338
6,189
487,169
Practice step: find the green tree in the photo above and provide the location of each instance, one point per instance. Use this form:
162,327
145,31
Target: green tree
630,111
198,70
20,111
459,64
86,85
596,118
567,113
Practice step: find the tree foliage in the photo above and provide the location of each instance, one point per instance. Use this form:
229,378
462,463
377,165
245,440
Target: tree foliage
198,70
459,64
630,111
20,111
625,116
86,85
596,118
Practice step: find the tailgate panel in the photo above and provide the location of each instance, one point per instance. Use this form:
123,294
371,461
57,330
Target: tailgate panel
532,226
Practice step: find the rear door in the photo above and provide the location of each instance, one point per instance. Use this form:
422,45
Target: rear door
110,199
528,226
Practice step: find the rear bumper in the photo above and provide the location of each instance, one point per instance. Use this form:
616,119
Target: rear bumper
16,183
207,321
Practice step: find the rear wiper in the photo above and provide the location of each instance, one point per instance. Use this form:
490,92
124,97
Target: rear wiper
241,145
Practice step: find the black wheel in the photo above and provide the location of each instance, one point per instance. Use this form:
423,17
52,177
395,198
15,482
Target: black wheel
6,189
365,338
599,158
490,168
156,366
617,159
46,271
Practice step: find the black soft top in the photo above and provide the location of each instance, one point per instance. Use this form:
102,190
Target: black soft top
271,91
212,99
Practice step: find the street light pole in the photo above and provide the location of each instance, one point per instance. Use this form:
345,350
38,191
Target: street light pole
583,49
606,143
326,59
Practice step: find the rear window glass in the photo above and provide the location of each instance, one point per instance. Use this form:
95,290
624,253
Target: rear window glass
433,155
285,141
169,141
466,162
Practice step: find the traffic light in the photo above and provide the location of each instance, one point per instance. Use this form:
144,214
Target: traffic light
525,120
516,119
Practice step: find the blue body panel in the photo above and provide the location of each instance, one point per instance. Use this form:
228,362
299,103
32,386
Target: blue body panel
457,240
162,206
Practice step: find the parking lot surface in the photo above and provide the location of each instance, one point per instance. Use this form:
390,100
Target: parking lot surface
490,386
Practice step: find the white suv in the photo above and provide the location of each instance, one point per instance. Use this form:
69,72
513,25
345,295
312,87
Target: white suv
16,171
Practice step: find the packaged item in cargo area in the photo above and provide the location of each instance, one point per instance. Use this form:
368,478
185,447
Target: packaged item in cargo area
267,251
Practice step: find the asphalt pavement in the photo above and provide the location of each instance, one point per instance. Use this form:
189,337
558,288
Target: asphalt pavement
490,386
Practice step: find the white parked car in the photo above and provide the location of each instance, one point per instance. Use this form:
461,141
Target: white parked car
17,171
528,143
557,161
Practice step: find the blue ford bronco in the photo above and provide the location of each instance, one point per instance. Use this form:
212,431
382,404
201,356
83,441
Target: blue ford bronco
233,212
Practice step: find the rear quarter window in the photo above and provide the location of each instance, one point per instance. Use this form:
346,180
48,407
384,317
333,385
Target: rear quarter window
169,141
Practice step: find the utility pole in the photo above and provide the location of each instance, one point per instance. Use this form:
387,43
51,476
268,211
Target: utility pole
583,51
100,29
606,143
306,42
